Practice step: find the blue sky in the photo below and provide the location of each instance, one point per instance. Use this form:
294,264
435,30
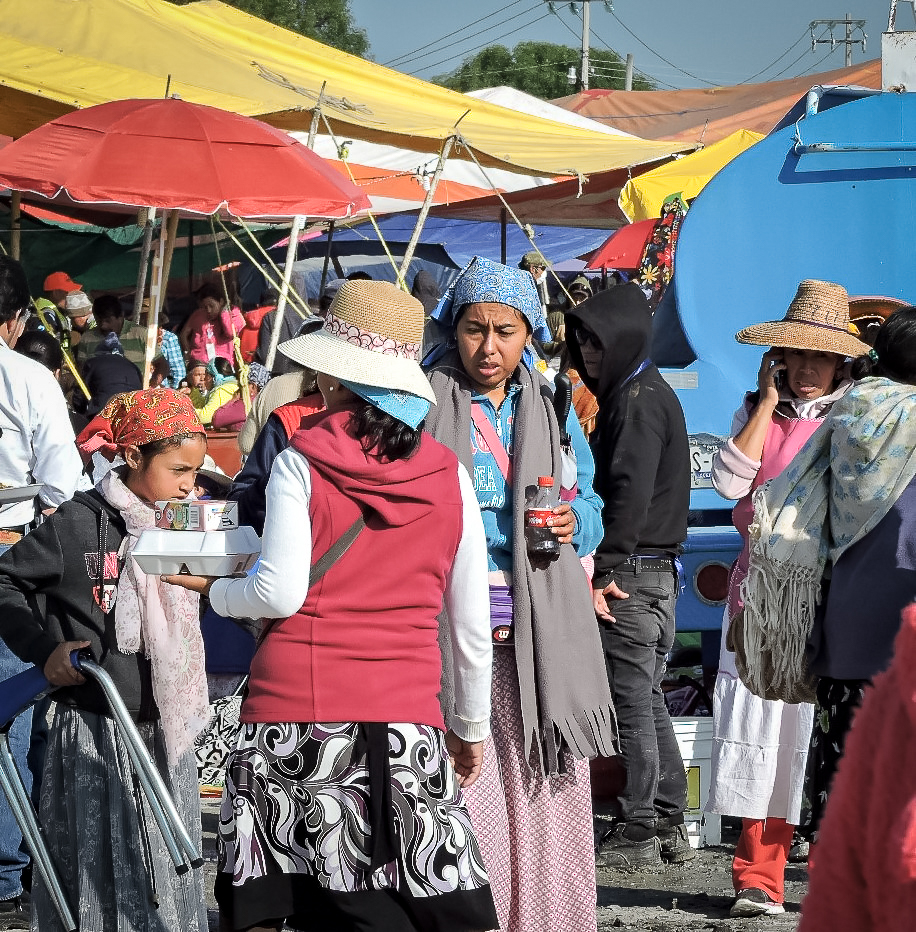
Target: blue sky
677,43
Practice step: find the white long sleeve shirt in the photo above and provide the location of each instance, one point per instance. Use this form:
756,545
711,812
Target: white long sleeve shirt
36,438
279,586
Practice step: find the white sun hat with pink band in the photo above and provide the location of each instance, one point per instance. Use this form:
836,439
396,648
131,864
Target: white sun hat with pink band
371,335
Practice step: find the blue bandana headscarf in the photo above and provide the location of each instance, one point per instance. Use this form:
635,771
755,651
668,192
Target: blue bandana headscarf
407,408
258,374
485,281
218,378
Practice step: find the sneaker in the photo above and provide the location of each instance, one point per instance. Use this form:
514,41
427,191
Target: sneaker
617,852
801,848
754,902
675,844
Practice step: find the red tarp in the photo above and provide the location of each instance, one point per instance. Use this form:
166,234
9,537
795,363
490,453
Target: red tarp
623,249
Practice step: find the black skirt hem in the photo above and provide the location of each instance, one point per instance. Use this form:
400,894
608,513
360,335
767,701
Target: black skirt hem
307,906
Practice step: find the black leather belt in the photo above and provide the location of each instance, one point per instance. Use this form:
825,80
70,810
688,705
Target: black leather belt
640,562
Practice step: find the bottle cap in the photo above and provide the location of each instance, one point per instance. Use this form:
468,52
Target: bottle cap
545,482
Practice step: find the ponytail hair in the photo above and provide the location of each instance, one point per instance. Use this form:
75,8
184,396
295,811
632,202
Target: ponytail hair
383,435
894,353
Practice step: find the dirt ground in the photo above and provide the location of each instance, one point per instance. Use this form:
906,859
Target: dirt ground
690,897
685,898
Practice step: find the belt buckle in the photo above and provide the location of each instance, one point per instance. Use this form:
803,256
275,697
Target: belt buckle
637,564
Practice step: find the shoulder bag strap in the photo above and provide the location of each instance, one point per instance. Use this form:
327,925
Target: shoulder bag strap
488,433
336,550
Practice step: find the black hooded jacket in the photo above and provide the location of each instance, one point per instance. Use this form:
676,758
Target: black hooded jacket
640,441
47,583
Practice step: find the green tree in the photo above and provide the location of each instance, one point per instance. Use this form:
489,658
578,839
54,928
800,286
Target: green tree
327,21
538,68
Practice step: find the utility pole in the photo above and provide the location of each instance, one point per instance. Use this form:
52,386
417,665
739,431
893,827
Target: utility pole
586,31
848,41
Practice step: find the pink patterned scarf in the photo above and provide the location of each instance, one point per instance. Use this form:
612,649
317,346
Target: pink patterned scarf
164,620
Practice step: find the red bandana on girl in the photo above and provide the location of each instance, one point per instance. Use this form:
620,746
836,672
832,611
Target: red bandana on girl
134,418
151,615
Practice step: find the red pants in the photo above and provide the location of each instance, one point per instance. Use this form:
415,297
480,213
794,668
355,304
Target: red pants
761,855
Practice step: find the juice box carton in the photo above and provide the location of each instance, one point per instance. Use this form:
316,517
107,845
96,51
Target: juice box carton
208,515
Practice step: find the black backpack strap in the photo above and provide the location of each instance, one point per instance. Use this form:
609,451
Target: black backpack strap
336,551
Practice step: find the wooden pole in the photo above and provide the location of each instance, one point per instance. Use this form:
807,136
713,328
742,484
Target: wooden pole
503,219
327,260
298,223
145,219
424,211
157,289
15,224
296,227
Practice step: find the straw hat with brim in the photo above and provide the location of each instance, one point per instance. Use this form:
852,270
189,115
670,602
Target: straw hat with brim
370,334
817,319
874,307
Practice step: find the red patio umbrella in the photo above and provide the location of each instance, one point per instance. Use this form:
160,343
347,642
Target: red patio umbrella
174,155
623,249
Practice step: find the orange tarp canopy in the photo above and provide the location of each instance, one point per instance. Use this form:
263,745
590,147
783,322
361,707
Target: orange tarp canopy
713,113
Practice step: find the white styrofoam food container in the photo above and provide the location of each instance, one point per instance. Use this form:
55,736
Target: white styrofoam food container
200,553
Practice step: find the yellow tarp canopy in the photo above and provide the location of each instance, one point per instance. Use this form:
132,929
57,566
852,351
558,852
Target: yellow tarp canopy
642,197
58,55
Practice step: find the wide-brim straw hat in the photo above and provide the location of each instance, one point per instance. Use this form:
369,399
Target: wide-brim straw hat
371,334
868,308
817,319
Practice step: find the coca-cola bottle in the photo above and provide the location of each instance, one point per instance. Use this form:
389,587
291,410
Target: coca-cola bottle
539,505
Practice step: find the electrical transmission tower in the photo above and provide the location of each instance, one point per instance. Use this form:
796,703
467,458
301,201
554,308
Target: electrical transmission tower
849,41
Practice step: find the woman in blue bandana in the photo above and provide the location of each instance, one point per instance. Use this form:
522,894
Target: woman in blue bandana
551,704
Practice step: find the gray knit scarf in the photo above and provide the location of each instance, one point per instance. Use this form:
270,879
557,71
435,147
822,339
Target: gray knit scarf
565,696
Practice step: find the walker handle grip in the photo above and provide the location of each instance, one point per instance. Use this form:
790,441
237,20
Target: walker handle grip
18,692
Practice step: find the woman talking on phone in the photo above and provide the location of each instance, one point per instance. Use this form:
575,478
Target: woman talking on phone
760,746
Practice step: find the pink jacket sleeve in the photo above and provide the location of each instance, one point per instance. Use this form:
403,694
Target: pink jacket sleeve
733,473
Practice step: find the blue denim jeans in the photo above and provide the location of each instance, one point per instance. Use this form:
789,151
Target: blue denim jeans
12,858
634,650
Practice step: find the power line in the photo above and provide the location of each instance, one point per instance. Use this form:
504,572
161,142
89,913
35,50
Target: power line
415,52
801,38
792,64
816,65
657,55
484,45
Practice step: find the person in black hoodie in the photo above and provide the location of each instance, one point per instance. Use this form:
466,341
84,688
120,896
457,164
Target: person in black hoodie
72,583
642,475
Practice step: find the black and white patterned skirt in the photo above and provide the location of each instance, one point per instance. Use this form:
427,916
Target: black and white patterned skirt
348,825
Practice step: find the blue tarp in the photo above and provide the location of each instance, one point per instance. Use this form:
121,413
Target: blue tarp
464,239
445,247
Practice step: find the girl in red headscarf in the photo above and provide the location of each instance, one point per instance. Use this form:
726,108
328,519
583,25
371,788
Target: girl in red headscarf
115,869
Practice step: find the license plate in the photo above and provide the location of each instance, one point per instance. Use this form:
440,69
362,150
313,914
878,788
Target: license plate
703,448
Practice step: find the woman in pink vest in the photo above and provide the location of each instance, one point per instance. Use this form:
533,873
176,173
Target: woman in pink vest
760,746
343,806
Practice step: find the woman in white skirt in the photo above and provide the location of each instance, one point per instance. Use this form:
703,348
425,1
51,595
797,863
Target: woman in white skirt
760,747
